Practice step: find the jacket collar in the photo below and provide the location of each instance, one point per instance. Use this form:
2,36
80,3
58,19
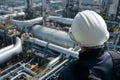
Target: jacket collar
90,54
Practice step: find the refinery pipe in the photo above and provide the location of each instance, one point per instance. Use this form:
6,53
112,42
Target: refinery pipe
54,47
6,48
52,36
54,70
67,21
7,55
4,18
53,62
26,22
20,74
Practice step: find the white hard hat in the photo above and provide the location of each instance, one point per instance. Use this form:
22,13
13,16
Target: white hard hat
89,29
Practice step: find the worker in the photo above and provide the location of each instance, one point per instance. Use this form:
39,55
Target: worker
90,32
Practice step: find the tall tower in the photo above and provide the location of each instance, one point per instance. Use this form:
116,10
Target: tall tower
71,8
29,8
114,4
44,7
118,12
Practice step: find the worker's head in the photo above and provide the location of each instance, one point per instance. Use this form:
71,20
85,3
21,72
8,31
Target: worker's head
89,29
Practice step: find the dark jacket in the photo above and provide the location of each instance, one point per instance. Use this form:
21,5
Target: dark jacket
93,64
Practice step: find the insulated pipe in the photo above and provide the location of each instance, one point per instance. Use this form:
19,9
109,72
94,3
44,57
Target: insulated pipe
67,21
54,70
3,18
3,77
7,55
6,48
17,69
9,69
52,35
53,62
54,47
20,74
57,11
26,22
14,15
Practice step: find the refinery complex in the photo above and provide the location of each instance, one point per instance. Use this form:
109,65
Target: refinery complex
34,41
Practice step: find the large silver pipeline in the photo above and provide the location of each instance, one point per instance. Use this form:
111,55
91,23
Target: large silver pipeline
3,18
26,22
14,15
67,21
52,35
6,48
5,56
54,47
